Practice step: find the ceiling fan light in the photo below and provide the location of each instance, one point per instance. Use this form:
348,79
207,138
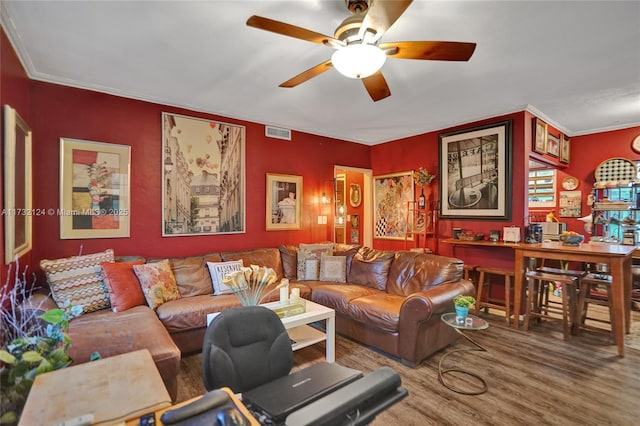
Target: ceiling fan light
358,60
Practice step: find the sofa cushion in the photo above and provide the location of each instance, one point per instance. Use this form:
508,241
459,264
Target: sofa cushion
218,271
309,259
381,310
158,282
124,288
370,267
347,250
191,312
338,296
289,255
411,272
333,268
191,273
267,257
78,279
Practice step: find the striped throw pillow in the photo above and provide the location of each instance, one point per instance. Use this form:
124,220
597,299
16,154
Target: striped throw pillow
78,279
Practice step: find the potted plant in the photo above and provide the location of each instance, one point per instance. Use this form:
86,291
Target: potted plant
32,344
462,304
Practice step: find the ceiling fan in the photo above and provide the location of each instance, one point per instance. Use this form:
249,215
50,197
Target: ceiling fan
359,53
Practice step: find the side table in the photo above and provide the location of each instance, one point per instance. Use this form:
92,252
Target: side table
475,323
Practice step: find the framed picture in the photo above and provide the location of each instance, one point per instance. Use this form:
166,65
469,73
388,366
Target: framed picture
355,221
570,204
94,189
565,148
18,211
475,171
355,195
540,136
284,202
553,144
391,197
203,177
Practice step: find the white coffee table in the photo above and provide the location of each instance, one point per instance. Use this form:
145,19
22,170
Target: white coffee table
302,333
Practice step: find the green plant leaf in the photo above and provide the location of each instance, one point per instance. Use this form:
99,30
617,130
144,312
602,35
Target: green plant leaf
53,316
32,356
6,357
9,417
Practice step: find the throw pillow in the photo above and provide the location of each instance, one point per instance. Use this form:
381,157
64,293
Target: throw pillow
218,271
309,260
124,287
158,282
333,268
78,279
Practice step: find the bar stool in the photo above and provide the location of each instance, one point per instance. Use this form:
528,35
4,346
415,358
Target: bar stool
483,292
537,282
470,273
587,297
544,295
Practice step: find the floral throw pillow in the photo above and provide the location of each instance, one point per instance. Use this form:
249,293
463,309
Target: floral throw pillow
157,282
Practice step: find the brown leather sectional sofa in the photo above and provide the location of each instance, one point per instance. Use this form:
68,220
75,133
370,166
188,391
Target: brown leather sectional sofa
391,301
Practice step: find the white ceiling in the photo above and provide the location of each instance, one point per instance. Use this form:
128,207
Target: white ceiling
574,63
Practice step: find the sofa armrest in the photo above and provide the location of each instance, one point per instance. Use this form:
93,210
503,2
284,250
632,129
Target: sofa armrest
437,300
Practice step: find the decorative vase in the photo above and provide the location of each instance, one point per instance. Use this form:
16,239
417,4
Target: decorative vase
422,200
462,311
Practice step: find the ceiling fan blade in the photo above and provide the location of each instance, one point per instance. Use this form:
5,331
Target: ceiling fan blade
308,74
290,30
377,86
431,50
381,15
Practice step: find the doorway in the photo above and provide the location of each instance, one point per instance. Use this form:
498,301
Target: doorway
353,203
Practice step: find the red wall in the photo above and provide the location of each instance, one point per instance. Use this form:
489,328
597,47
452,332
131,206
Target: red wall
14,91
61,111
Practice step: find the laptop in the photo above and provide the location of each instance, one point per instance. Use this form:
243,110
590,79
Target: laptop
277,399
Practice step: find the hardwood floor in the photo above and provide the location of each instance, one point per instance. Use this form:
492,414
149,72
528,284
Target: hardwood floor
534,378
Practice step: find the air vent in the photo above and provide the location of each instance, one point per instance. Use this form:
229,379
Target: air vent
277,132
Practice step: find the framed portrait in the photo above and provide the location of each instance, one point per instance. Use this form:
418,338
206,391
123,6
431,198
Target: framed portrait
540,136
553,144
565,148
475,171
203,177
17,186
94,189
391,197
284,202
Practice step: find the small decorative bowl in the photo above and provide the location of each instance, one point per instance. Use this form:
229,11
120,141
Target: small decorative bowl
572,240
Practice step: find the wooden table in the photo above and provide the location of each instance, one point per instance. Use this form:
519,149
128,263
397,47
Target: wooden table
112,389
618,257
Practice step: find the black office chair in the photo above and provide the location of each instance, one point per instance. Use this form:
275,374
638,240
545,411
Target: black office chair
244,348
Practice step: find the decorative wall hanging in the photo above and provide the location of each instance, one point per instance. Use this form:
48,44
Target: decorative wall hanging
540,136
284,202
475,170
553,144
355,195
391,196
18,210
570,204
203,177
94,189
565,148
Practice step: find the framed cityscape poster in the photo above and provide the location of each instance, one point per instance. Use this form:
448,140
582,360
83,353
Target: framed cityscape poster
203,177
94,189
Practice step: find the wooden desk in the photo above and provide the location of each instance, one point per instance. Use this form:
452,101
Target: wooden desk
482,243
113,389
236,402
618,257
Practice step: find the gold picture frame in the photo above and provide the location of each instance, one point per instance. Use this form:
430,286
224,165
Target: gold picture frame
284,202
94,189
17,186
540,136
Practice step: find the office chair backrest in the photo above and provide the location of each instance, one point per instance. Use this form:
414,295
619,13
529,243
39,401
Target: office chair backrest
244,348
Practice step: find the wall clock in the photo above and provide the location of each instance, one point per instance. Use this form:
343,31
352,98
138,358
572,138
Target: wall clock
635,145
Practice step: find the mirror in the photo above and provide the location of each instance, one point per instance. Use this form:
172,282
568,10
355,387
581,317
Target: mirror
17,185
